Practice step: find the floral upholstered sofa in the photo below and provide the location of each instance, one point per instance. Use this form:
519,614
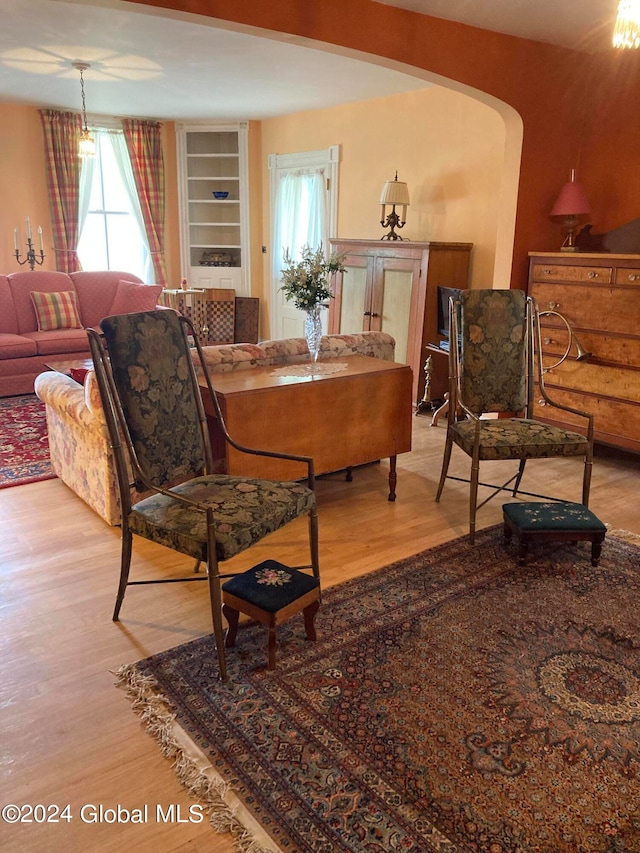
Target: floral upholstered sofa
78,437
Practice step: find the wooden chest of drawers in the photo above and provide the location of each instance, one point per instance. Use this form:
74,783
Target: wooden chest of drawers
599,295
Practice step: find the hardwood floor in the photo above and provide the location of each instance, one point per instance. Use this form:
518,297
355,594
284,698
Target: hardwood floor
70,737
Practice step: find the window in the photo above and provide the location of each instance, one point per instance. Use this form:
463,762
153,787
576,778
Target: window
112,235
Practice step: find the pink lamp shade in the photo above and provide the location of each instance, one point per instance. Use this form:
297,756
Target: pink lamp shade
572,200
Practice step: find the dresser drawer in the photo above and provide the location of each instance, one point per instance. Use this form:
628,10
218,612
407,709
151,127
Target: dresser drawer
607,309
607,348
625,275
615,422
560,272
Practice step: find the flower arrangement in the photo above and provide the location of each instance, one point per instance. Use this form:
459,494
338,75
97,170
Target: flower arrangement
306,282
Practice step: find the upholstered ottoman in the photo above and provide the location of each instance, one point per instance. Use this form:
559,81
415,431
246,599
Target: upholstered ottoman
270,593
553,522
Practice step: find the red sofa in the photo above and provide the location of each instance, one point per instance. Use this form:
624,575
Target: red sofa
23,349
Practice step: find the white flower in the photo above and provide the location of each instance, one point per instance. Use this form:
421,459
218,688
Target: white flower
306,282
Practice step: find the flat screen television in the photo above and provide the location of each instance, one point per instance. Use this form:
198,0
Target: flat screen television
443,312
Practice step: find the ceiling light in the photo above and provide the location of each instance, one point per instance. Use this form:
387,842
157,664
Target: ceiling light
626,32
87,145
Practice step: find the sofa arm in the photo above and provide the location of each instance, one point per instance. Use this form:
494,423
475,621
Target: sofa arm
68,397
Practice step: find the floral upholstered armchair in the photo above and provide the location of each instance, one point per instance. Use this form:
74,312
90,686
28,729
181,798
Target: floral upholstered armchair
493,367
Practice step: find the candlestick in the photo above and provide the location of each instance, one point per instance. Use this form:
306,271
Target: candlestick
15,239
40,238
29,234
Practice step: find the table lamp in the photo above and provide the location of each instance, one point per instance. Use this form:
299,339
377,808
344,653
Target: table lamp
571,204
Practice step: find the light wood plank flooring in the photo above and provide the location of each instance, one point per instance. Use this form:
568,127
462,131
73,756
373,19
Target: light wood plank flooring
69,736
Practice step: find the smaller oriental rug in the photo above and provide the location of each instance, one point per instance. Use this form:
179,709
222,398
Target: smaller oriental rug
454,701
24,447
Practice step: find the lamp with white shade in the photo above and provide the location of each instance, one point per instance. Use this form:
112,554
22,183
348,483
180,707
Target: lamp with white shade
394,193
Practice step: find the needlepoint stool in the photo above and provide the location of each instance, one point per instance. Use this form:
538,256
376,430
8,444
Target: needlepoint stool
553,522
270,593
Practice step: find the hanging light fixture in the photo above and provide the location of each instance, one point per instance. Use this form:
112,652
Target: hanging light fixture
87,146
626,32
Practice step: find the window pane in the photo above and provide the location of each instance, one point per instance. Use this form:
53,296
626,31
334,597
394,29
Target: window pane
115,195
126,251
92,246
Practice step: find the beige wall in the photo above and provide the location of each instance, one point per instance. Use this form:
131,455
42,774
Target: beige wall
447,147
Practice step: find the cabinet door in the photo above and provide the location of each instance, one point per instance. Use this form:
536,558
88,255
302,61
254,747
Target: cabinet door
394,303
349,309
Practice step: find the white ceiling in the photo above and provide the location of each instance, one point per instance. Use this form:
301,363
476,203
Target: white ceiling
188,67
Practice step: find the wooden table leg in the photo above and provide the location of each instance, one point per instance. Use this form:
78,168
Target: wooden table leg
393,478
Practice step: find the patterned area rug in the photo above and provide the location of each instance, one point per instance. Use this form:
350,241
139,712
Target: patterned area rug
24,447
454,701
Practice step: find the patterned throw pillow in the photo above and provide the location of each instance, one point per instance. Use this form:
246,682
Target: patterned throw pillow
131,297
56,310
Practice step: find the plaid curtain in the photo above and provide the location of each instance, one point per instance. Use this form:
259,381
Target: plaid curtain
145,151
61,138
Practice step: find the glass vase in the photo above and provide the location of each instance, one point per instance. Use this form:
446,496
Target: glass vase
313,331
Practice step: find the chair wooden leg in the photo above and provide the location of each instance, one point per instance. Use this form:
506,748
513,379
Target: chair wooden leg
313,541
215,598
586,482
232,616
125,565
445,466
309,620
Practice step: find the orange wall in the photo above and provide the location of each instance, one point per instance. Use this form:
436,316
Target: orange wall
23,190
553,90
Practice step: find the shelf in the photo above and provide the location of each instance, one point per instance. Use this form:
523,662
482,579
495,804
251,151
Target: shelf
212,157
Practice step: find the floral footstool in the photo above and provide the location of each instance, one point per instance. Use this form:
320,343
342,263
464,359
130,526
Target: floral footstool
553,522
270,593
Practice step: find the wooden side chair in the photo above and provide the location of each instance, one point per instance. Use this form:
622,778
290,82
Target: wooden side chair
158,432
495,361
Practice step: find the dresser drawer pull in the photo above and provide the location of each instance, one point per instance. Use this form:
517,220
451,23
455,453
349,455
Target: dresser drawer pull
547,272
553,306
542,402
592,274
633,276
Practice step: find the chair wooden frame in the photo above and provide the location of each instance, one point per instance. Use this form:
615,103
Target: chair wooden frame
124,451
458,409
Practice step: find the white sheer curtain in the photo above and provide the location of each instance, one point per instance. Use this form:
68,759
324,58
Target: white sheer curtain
113,155
128,182
300,214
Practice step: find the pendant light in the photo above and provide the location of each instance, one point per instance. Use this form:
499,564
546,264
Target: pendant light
87,146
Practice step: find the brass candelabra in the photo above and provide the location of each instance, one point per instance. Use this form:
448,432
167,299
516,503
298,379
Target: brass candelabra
31,257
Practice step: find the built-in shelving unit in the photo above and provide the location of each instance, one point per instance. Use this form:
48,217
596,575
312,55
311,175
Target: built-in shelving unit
213,200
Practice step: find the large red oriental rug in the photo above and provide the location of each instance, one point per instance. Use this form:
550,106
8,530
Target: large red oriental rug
454,701
24,445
